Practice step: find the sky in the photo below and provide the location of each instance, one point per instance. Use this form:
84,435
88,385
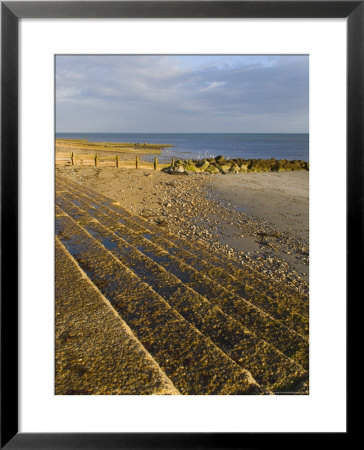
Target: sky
182,94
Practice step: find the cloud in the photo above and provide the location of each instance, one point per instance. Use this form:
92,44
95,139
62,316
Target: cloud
64,94
214,84
182,93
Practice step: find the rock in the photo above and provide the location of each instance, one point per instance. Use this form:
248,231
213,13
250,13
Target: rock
190,167
234,168
220,160
225,167
161,222
178,173
175,170
261,165
203,166
212,169
220,164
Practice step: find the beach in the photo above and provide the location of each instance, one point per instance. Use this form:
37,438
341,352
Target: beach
279,198
280,203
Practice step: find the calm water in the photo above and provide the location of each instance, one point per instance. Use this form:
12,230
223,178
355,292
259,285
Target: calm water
205,145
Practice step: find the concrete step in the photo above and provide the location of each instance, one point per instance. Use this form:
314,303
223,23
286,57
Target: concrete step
288,307
255,319
190,360
96,352
268,366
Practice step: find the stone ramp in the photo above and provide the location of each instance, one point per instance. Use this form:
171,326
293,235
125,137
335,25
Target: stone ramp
169,281
200,277
192,362
96,352
246,271
277,299
267,365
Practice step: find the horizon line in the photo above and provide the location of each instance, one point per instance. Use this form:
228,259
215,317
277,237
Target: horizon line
181,132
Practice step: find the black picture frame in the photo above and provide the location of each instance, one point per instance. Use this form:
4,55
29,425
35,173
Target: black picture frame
11,12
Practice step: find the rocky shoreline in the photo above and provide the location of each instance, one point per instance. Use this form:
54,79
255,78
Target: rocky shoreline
187,206
225,166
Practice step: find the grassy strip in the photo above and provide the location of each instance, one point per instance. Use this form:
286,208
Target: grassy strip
110,146
156,151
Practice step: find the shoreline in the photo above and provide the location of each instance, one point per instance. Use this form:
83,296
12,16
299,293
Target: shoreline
292,146
82,152
279,203
261,195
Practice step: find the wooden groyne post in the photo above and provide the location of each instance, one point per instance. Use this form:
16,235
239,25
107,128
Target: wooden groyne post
155,163
117,161
137,162
172,161
72,159
96,160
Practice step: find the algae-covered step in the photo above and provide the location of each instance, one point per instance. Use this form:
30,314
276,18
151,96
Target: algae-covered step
258,281
96,352
260,323
273,297
245,271
268,366
191,361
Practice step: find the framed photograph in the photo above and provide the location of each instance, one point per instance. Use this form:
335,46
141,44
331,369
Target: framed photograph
181,196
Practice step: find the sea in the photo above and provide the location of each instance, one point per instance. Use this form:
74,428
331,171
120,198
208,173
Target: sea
209,145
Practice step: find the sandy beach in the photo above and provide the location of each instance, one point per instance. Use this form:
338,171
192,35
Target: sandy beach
280,198
279,202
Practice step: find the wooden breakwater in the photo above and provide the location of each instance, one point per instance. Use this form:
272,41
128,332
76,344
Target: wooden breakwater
97,160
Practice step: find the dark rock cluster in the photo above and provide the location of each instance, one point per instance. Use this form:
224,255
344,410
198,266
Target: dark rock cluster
222,165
